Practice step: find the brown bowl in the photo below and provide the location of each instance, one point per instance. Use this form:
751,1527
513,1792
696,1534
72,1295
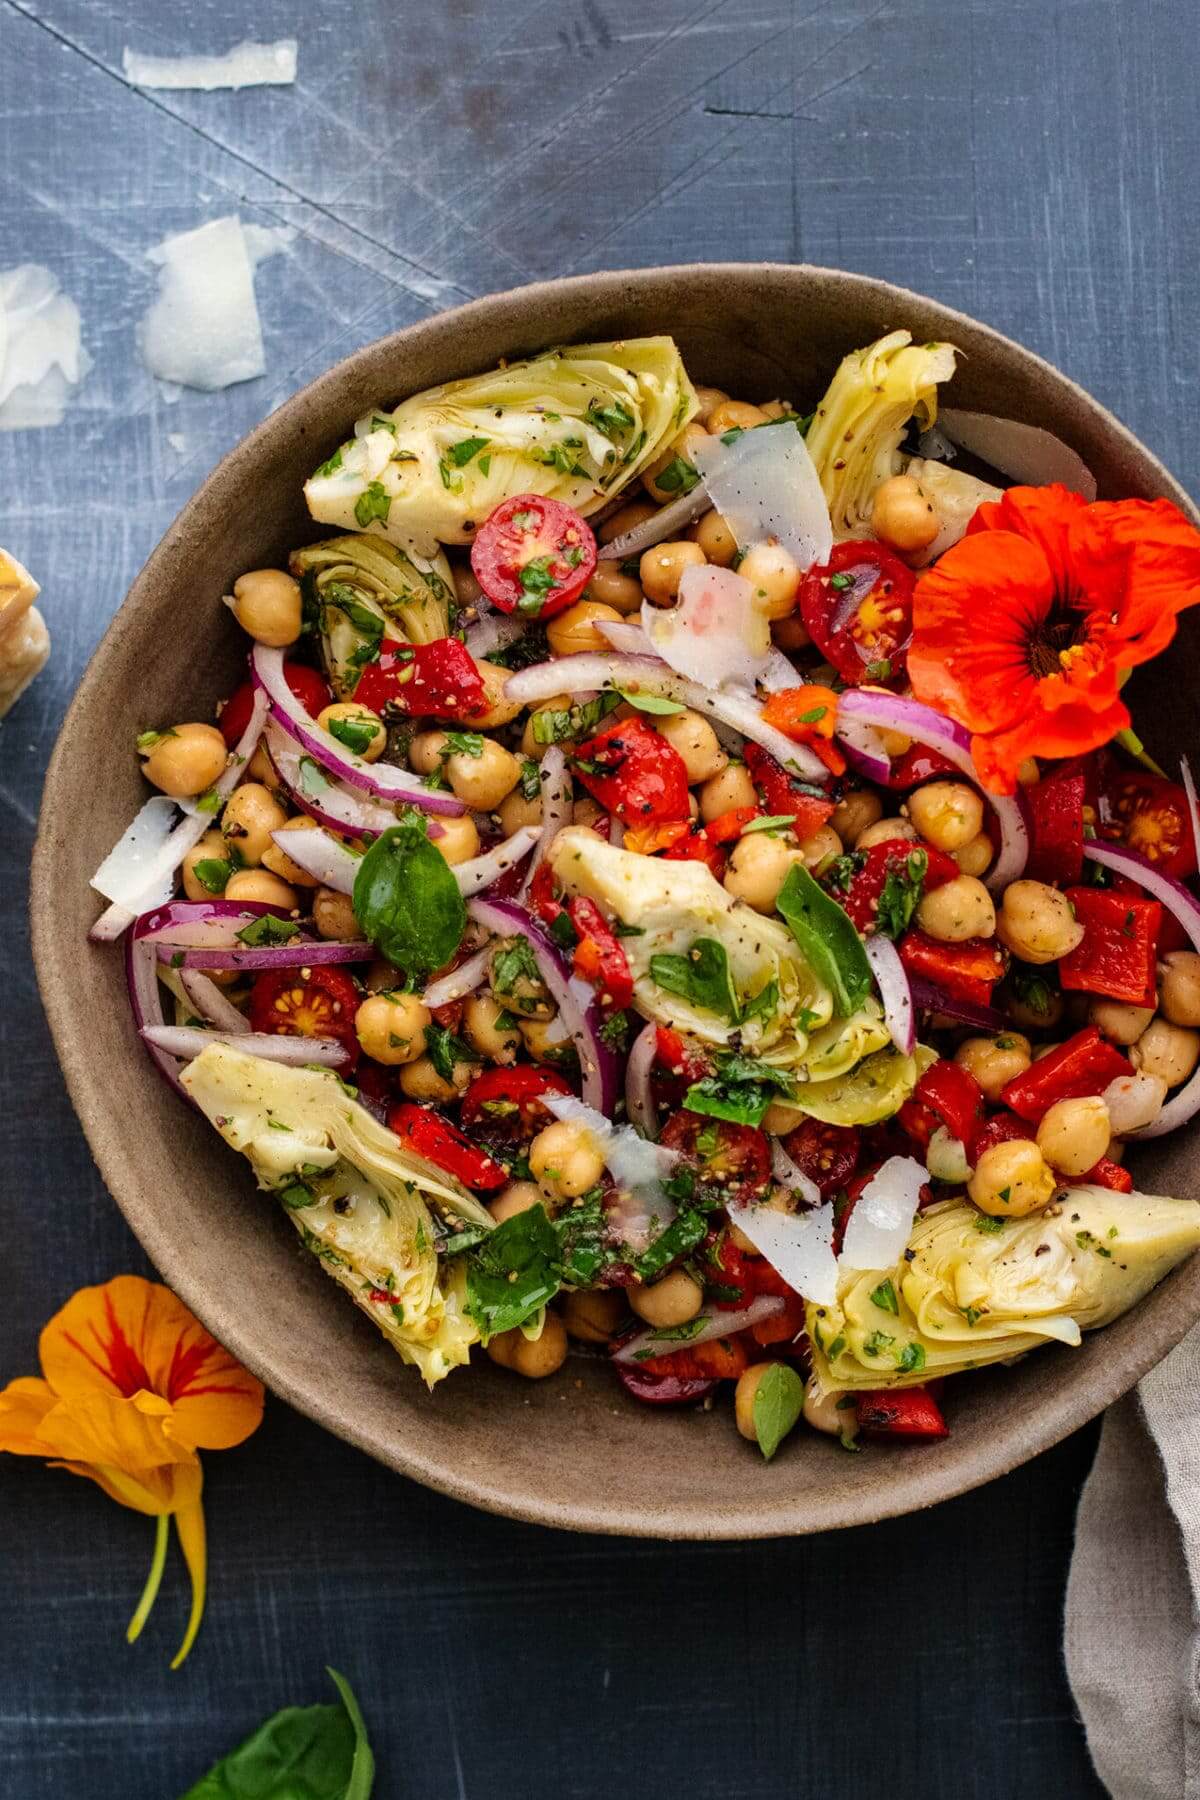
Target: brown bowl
571,1451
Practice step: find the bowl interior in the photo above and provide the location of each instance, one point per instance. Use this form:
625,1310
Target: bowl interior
572,1451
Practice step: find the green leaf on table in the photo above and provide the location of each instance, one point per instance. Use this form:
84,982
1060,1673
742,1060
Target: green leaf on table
300,1753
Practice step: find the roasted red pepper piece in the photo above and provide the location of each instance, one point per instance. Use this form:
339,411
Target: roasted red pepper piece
427,1134
543,901
727,827
1118,954
633,772
1109,1174
968,970
1056,828
677,1056
598,957
1001,1128
783,793
1085,1064
808,715
697,844
720,1359
511,1099
910,1412
440,680
948,1095
857,881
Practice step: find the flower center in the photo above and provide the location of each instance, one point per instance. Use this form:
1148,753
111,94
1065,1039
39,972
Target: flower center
1060,632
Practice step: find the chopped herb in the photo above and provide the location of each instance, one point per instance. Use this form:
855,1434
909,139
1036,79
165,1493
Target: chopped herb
702,978
884,1296
530,780
267,930
881,670
615,1031
209,802
313,779
877,1343
778,1404
444,1050
329,468
684,1232
911,1358
461,453
373,503
679,476
773,823
212,872
841,582
357,734
463,743
741,1091
512,963
651,703
536,577
901,895
298,1195
612,420
150,740
988,1225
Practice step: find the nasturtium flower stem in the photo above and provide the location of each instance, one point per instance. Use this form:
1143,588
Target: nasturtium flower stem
189,1523
158,1563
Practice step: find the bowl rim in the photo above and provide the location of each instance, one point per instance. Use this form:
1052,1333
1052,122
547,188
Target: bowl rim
918,1484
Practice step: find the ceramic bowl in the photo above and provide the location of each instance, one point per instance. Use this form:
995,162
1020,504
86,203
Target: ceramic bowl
572,1451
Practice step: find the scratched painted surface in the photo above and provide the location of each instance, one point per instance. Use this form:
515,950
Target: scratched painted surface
1034,164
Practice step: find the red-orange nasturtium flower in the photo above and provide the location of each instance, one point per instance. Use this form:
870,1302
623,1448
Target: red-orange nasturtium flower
132,1386
1024,630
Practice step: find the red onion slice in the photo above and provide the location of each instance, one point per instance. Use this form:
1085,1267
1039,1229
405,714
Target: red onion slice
211,1004
598,1065
321,796
300,953
482,872
891,978
557,801
463,980
1185,1104
666,523
492,631
927,997
864,750
1189,788
145,1000
203,934
639,1097
889,712
662,1341
188,1041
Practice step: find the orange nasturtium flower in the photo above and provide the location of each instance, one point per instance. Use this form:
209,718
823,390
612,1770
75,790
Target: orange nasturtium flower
1025,629
132,1386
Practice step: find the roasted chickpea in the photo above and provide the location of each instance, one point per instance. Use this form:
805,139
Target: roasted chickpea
484,1032
1165,1050
531,745
1180,988
593,1314
790,634
251,814
731,413
671,1300
419,1080
883,832
497,709
516,1198
1011,1179
1119,1022
708,398
266,603
681,450
721,793
481,780
958,910
627,518
820,847
467,590
459,840
610,587
661,569
975,857
947,814
994,1061
515,982
576,630
1074,1134
515,811
826,1411
535,1358
547,1040
903,515
261,885
715,539
565,1159
211,849
758,869
697,743
774,574
853,815
187,759
743,1398
1037,923
391,1027
425,752
349,711
280,863
333,916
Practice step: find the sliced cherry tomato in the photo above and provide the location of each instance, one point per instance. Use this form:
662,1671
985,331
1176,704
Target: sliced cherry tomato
857,881
1149,814
783,793
320,1003
598,957
857,609
680,1056
662,1390
427,1134
374,1084
311,689
946,1094
512,1099
533,556
732,1156
633,772
1001,1128
827,1154
439,680
727,1271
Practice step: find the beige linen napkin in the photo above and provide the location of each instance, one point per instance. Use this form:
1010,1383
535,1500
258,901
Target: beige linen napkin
1133,1596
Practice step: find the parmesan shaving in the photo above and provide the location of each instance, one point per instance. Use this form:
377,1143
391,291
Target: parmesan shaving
203,329
246,65
41,358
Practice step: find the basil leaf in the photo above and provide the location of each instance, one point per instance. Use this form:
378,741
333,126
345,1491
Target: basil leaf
684,1232
582,1246
267,930
827,938
702,977
901,894
740,1091
212,872
300,1753
513,1272
444,1050
357,734
778,1403
407,900
650,703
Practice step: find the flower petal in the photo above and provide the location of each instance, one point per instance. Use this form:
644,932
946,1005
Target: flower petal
23,1405
1041,515
1070,732
102,1429
1137,562
974,614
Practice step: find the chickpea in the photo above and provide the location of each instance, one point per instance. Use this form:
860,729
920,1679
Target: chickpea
535,1358
1163,1049
722,792
1028,772
261,885
516,1198
820,847
610,587
260,768
1037,923
514,981
994,1061
391,1027
661,569
626,518
499,1043
333,916
425,752
531,746
362,716
884,831
266,603
975,857
780,1118
1180,991
280,863
467,590
459,840
903,515
671,1300
697,743
187,759
1011,1179
731,413
547,1040
1075,1134
419,1080
515,811
852,815
707,399
498,710
758,869
714,537
774,574
680,449
592,1315
586,811
1120,1023
565,1159
947,814
251,814
825,1411
211,848
743,1398
576,630
790,634
958,910
482,781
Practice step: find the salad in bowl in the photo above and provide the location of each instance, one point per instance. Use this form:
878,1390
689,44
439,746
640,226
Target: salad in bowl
679,878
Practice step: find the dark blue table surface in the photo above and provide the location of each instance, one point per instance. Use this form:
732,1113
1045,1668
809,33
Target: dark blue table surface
1033,163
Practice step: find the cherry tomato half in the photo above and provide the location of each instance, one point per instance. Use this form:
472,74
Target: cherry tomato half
320,1003
733,1156
533,556
1149,814
310,688
827,1154
857,609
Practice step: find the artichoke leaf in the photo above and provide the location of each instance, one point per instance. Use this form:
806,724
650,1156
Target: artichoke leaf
956,498
361,588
